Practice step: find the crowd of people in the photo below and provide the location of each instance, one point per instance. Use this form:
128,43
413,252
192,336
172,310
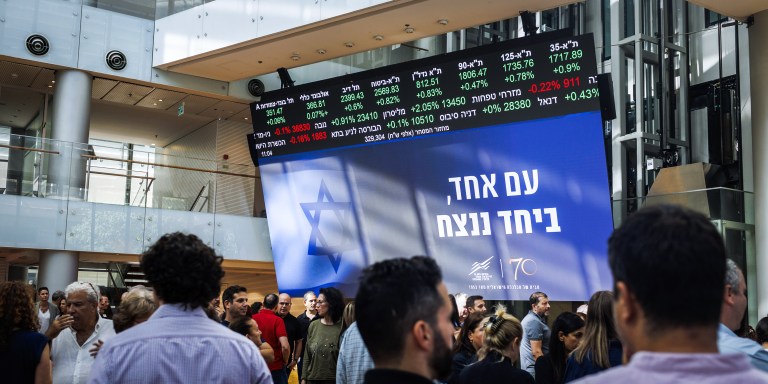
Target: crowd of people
675,315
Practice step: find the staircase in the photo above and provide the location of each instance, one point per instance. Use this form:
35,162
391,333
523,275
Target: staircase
133,276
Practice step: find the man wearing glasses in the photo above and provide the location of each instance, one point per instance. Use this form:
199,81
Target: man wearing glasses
292,328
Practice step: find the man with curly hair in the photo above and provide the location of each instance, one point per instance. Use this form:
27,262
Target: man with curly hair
179,343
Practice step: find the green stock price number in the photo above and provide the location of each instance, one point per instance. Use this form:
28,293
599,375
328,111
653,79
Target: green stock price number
589,93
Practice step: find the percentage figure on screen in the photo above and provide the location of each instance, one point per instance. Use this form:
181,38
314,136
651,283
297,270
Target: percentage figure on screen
519,76
399,123
567,68
546,86
427,93
492,108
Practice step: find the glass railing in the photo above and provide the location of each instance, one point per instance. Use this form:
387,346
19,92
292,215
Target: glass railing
61,195
105,174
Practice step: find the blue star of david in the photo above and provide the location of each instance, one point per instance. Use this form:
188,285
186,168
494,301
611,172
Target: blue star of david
318,245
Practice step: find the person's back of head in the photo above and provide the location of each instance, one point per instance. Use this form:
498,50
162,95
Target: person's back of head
761,331
270,301
137,306
17,309
183,270
599,330
394,295
670,262
503,333
682,253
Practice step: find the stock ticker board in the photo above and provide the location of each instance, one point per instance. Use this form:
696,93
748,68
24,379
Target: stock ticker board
490,160
516,80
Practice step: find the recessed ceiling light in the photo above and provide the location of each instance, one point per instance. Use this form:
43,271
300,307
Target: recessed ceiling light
321,51
245,118
349,44
443,21
295,57
14,75
378,37
160,100
408,29
53,81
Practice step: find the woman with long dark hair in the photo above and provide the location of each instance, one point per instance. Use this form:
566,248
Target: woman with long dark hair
500,351
322,350
24,353
600,347
567,331
466,346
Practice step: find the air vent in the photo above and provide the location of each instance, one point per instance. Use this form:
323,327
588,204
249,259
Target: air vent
116,60
37,45
256,87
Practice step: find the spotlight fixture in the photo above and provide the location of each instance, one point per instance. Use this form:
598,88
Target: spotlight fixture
443,21
295,57
408,29
378,37
321,51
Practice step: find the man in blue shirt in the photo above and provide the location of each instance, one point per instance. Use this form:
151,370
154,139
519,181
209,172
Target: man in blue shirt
179,343
734,305
536,333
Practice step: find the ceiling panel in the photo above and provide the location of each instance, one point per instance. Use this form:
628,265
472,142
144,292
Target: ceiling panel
224,109
739,9
194,104
161,99
19,75
101,87
387,20
244,116
126,93
44,81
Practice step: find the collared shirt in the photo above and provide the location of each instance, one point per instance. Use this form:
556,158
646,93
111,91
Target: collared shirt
179,346
272,329
534,328
699,368
71,361
354,359
728,342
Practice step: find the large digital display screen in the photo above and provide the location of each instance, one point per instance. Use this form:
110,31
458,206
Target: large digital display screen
490,160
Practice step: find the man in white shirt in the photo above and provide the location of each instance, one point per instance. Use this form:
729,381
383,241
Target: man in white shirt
71,351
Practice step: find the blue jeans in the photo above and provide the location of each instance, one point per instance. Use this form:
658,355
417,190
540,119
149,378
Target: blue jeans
279,376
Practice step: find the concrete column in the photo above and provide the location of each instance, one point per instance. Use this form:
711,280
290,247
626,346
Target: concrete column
70,124
758,57
57,269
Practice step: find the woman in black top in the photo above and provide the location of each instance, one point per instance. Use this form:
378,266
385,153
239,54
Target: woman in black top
567,331
469,341
500,351
24,353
